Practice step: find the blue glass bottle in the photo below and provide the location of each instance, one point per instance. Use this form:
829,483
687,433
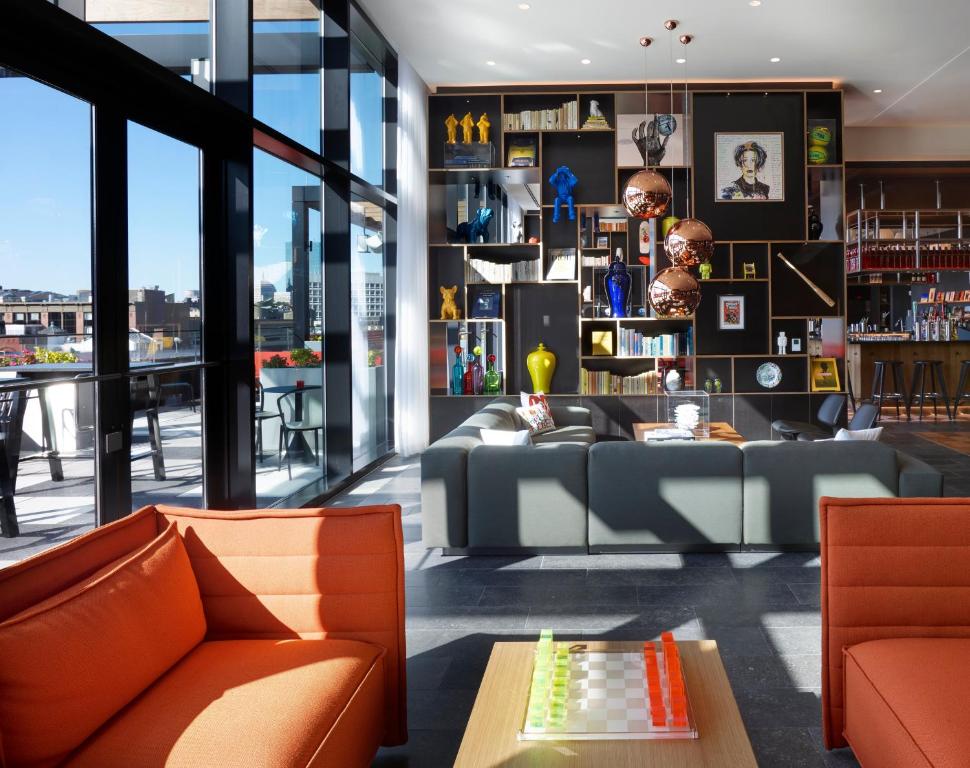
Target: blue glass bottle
457,374
618,284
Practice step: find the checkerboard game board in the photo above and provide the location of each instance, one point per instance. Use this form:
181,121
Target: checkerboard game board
607,699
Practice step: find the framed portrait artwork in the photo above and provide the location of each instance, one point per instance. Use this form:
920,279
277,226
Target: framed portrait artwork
824,374
730,313
749,167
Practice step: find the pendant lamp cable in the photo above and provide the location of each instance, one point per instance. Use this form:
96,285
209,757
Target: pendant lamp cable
673,172
685,39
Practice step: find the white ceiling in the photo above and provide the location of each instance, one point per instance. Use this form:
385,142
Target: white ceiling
916,51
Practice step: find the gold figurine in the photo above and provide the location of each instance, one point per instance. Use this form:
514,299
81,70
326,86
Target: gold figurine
483,126
451,125
467,123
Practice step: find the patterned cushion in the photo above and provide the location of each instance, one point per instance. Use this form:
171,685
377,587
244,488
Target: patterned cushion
537,418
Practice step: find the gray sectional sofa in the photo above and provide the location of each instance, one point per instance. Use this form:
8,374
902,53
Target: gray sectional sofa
569,493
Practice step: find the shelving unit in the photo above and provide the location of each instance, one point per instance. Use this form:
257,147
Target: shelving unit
563,314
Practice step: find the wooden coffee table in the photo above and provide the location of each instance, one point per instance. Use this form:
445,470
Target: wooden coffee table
720,430
490,739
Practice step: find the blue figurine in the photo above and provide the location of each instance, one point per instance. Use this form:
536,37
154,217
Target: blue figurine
471,230
564,180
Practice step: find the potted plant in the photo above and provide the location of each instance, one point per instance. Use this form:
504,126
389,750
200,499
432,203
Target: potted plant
287,369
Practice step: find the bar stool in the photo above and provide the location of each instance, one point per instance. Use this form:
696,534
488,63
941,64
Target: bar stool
937,389
961,392
898,393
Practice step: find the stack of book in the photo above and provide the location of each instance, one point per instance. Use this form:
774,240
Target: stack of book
597,260
612,225
632,343
607,383
566,117
483,271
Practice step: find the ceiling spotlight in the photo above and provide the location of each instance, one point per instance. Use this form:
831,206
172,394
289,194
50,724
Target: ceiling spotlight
681,61
584,61
774,59
524,6
877,90
490,63
754,3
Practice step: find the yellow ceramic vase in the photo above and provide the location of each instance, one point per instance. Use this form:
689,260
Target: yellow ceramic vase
542,365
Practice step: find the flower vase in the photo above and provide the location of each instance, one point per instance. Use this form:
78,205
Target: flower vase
542,365
618,284
469,378
478,377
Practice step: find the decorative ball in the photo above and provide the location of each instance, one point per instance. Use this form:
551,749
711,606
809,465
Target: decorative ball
457,349
646,195
689,242
666,124
818,155
477,350
492,358
674,292
819,136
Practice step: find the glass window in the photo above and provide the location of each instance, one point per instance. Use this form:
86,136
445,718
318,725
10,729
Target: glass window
164,318
46,418
368,314
174,33
366,117
288,325
287,74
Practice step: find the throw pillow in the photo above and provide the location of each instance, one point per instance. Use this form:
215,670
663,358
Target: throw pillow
859,434
528,399
75,659
537,418
506,437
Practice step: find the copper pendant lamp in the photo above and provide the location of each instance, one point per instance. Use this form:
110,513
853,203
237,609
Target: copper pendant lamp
647,192
675,292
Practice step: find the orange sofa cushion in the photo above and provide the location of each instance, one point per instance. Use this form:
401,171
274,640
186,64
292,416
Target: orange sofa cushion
267,703
908,702
72,661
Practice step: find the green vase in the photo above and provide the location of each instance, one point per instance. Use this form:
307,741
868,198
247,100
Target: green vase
542,365
493,380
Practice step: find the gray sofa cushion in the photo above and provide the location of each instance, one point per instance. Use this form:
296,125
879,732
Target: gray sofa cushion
527,496
783,482
664,496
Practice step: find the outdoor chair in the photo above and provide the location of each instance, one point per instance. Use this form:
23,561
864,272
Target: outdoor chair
294,421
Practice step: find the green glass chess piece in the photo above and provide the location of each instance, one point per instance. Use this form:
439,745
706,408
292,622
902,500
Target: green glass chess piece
708,386
717,385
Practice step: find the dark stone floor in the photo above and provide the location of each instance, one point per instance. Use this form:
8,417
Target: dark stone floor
762,609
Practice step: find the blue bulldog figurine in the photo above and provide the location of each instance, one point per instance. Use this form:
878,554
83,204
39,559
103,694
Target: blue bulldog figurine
470,231
564,180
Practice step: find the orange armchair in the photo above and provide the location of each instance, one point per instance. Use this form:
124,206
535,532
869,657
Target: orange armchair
896,630
182,637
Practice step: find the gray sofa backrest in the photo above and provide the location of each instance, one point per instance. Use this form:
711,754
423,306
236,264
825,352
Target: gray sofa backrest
677,496
783,482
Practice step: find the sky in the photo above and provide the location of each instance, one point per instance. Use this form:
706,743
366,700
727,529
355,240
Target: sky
45,182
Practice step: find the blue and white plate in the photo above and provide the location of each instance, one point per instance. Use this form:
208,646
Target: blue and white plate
768,375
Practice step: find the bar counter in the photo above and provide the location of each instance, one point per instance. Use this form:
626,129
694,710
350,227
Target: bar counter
860,356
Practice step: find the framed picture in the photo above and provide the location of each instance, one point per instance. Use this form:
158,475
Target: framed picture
749,167
487,302
824,374
655,139
730,313
602,241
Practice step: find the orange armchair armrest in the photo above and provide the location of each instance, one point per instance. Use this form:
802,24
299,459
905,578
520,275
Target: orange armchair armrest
891,568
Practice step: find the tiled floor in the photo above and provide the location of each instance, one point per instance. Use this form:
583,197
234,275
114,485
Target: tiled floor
763,610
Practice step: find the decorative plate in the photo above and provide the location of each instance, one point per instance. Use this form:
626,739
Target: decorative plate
768,375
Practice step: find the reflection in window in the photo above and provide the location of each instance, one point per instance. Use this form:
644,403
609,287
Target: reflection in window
46,429
288,325
368,314
366,117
